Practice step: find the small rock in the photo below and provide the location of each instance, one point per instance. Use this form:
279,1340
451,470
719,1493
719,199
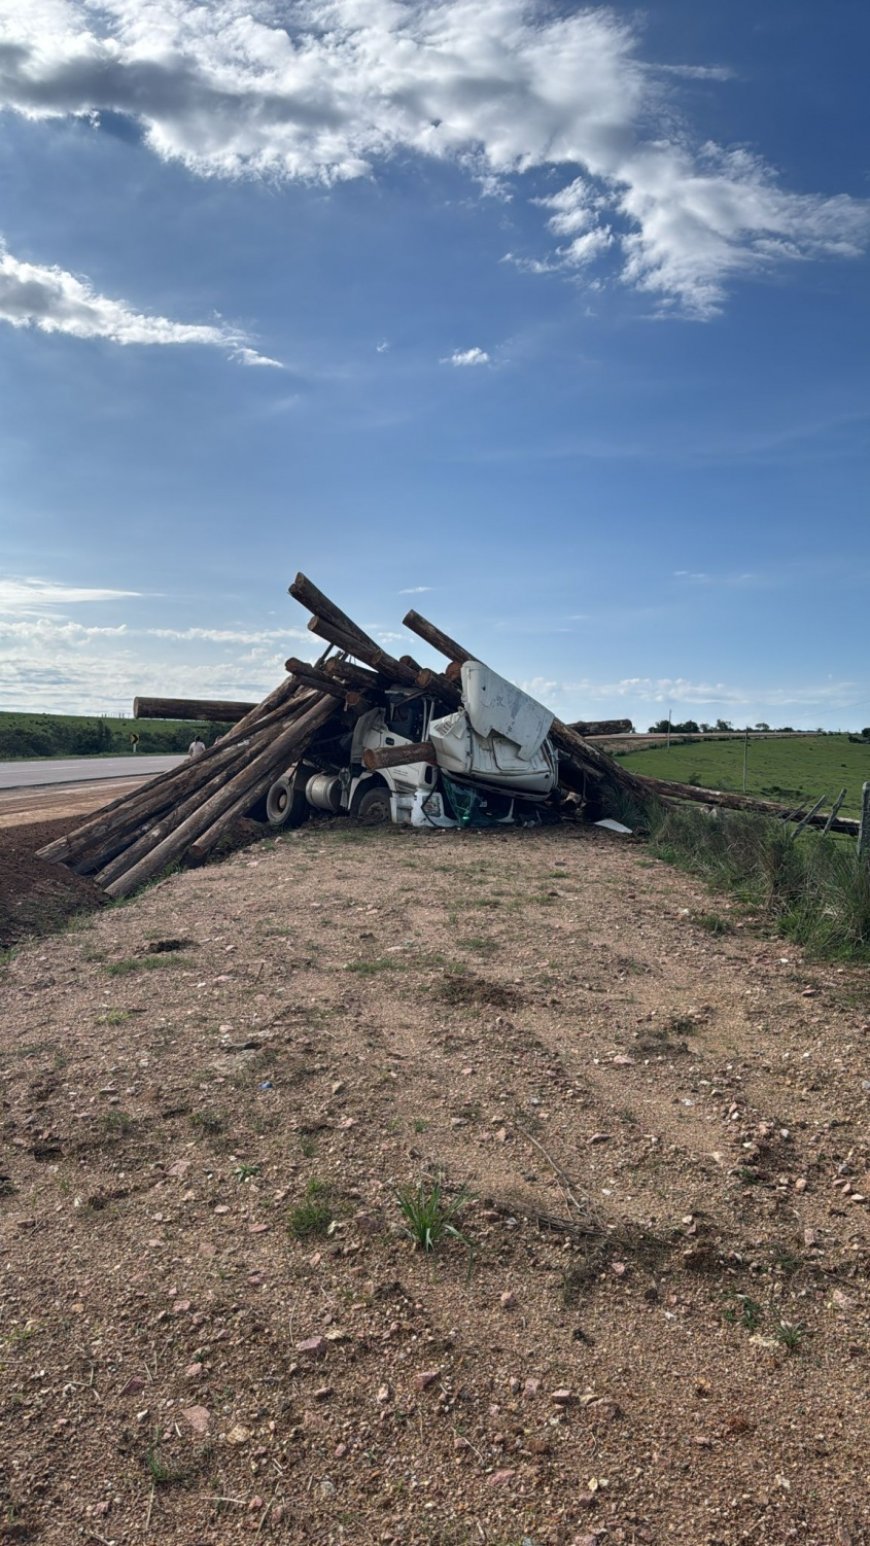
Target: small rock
500,1478
428,1377
238,1434
193,1371
384,1394
256,1504
507,1300
618,1268
312,1347
600,1138
323,1393
562,1397
340,1451
531,1386
460,1445
197,1418
133,1386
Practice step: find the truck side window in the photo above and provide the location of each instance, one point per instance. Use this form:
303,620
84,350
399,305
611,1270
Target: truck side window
406,719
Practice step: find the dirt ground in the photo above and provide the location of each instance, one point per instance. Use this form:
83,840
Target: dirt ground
213,1328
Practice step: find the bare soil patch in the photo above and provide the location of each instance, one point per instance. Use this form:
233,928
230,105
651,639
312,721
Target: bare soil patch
213,1326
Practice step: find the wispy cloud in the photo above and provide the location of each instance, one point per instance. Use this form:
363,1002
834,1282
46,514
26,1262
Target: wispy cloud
31,595
500,87
52,300
415,590
463,357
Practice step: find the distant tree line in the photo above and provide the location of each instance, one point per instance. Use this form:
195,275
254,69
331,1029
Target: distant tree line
49,735
722,726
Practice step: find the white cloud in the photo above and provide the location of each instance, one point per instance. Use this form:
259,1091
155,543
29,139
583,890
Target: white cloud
54,664
54,301
29,594
415,590
467,357
327,90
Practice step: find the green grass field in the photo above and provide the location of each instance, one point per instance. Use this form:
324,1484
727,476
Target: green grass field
788,770
79,735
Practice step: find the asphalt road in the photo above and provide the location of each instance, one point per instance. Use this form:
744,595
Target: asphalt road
80,770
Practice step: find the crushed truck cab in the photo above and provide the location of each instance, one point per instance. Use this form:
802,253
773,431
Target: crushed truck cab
489,762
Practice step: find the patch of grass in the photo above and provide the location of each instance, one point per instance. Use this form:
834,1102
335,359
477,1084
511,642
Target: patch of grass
114,1017
210,1122
790,1334
814,889
419,1124
167,1473
313,1215
479,944
372,967
149,963
787,770
429,1216
308,1145
246,1172
747,1313
117,1124
714,923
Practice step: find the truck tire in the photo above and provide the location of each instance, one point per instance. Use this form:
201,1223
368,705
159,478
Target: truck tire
373,807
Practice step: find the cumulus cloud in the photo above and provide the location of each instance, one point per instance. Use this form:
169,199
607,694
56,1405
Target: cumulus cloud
328,90
55,663
466,357
54,301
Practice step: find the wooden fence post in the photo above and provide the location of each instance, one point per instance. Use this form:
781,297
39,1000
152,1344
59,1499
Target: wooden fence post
864,829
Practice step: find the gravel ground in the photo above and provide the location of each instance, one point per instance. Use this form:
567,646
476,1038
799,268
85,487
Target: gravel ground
213,1327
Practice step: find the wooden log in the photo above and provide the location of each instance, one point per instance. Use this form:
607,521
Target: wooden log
124,858
350,675
211,835
308,595
247,786
369,652
318,680
437,686
116,836
397,756
208,709
129,810
586,727
436,637
731,801
280,696
411,663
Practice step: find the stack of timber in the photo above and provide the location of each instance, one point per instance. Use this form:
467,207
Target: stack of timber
181,815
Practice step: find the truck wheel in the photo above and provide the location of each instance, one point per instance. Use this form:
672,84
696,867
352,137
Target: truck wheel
279,802
373,809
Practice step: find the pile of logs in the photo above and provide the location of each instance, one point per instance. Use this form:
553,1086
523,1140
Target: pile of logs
181,815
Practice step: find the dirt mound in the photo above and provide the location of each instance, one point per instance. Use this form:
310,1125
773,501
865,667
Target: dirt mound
35,897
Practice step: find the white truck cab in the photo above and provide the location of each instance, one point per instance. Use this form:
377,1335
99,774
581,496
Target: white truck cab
494,762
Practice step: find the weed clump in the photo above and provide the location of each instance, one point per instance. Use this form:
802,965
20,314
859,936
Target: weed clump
429,1216
313,1215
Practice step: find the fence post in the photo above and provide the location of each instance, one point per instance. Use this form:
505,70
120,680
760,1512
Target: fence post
864,829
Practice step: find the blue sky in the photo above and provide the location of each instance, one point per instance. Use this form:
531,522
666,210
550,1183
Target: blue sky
550,321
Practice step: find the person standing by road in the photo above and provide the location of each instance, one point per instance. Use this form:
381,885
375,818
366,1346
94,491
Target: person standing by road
196,748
